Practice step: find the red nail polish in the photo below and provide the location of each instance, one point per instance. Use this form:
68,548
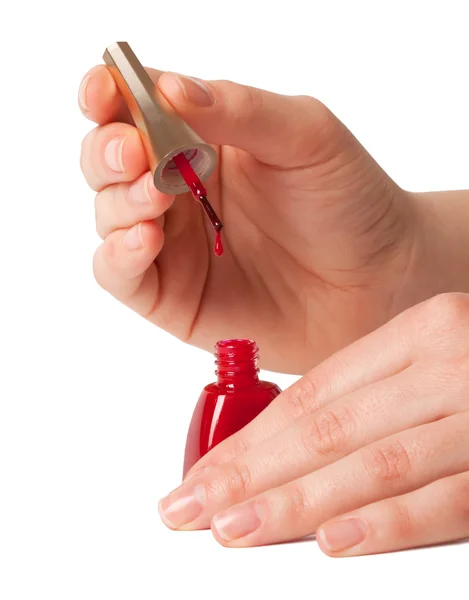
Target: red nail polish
232,402
200,194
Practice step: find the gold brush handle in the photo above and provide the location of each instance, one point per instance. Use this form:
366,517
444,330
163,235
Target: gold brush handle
163,132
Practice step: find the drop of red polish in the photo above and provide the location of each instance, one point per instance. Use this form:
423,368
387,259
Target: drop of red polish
199,193
218,249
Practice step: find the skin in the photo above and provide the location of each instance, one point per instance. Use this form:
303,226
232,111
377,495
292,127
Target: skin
329,265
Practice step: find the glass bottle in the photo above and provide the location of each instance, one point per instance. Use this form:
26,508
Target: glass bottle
226,406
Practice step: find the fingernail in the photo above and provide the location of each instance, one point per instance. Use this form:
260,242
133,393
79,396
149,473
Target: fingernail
133,239
195,90
139,191
82,93
184,508
113,154
239,521
343,534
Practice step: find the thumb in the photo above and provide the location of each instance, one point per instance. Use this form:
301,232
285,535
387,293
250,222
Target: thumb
285,131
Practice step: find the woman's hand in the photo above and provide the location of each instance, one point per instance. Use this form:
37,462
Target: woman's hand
320,243
370,449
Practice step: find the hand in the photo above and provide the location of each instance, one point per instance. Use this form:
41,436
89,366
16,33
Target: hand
370,449
315,232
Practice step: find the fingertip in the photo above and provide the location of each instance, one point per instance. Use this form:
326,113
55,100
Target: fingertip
343,536
182,90
153,236
134,158
169,524
170,86
159,199
98,96
322,543
218,538
130,252
112,153
129,276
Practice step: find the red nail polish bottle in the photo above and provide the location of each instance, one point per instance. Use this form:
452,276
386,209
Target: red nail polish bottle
232,402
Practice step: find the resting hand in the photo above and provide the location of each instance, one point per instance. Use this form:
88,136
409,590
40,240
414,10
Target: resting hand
370,449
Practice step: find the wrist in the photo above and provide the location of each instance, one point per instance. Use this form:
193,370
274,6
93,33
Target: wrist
439,259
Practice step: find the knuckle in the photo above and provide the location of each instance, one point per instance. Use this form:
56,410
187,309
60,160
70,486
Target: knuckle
251,99
243,102
326,137
228,450
447,311
296,503
460,495
329,432
463,374
454,377
238,445
317,108
301,399
234,483
387,464
400,519
326,125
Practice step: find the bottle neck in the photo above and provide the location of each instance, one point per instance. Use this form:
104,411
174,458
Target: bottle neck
236,362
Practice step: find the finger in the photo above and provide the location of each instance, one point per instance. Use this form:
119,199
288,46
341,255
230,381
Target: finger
361,364
279,130
393,466
111,154
434,514
413,334
348,424
99,98
122,205
124,266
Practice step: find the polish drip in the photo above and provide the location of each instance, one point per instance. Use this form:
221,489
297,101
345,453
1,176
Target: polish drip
200,194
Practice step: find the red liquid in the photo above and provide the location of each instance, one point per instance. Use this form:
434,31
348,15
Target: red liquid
189,175
218,249
200,194
227,406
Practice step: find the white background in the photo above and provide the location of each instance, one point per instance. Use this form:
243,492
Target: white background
95,402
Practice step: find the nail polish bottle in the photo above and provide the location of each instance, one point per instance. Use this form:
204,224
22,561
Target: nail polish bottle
232,402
